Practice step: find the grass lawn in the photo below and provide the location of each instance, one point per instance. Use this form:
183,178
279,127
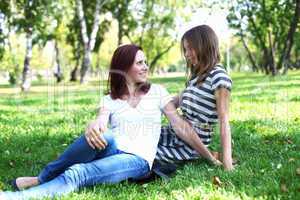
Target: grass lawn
265,121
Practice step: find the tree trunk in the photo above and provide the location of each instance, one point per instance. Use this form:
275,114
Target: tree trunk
254,66
26,79
95,24
85,66
84,35
88,42
120,32
159,55
290,39
262,42
122,9
74,72
58,73
13,75
271,56
265,63
98,67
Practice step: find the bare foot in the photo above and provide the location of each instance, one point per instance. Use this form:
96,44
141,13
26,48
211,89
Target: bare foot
25,182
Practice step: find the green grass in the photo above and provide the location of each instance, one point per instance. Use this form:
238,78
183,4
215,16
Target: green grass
265,121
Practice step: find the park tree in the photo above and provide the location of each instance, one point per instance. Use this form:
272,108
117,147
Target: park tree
7,51
289,42
295,55
86,34
61,16
74,39
5,14
57,38
270,27
155,28
89,26
150,23
122,11
157,25
34,18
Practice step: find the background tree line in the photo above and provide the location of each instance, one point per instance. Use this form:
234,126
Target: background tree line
81,26
266,34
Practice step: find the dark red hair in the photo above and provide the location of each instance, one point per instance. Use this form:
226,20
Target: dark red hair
121,62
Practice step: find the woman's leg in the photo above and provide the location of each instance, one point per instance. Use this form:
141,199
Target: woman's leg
78,152
111,169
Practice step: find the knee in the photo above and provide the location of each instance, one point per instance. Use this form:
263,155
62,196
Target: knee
74,174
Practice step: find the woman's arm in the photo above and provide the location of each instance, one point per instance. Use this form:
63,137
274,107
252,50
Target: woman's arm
96,128
223,98
176,100
185,132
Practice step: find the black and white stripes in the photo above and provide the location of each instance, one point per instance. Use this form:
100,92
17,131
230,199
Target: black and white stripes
198,106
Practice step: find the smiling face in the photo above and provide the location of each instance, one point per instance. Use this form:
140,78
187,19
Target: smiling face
139,70
189,53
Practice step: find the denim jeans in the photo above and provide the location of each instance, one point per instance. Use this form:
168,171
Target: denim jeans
80,165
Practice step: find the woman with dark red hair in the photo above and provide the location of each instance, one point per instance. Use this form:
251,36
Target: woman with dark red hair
126,149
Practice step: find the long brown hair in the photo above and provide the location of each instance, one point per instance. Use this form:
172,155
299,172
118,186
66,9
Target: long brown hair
204,42
121,62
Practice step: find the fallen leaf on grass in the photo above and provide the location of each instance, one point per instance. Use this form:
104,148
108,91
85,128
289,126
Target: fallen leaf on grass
267,141
298,171
11,163
27,150
291,159
289,141
283,187
216,181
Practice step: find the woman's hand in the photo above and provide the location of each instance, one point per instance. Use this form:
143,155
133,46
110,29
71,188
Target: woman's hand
228,166
216,162
176,100
93,134
216,158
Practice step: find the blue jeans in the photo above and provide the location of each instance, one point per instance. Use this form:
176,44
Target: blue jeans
80,165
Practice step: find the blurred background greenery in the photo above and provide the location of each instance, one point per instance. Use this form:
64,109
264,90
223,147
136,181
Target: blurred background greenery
73,40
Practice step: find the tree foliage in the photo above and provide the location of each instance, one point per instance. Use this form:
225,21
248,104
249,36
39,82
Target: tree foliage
270,27
149,23
5,14
154,27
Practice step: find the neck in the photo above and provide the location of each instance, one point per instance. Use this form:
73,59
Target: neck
131,88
